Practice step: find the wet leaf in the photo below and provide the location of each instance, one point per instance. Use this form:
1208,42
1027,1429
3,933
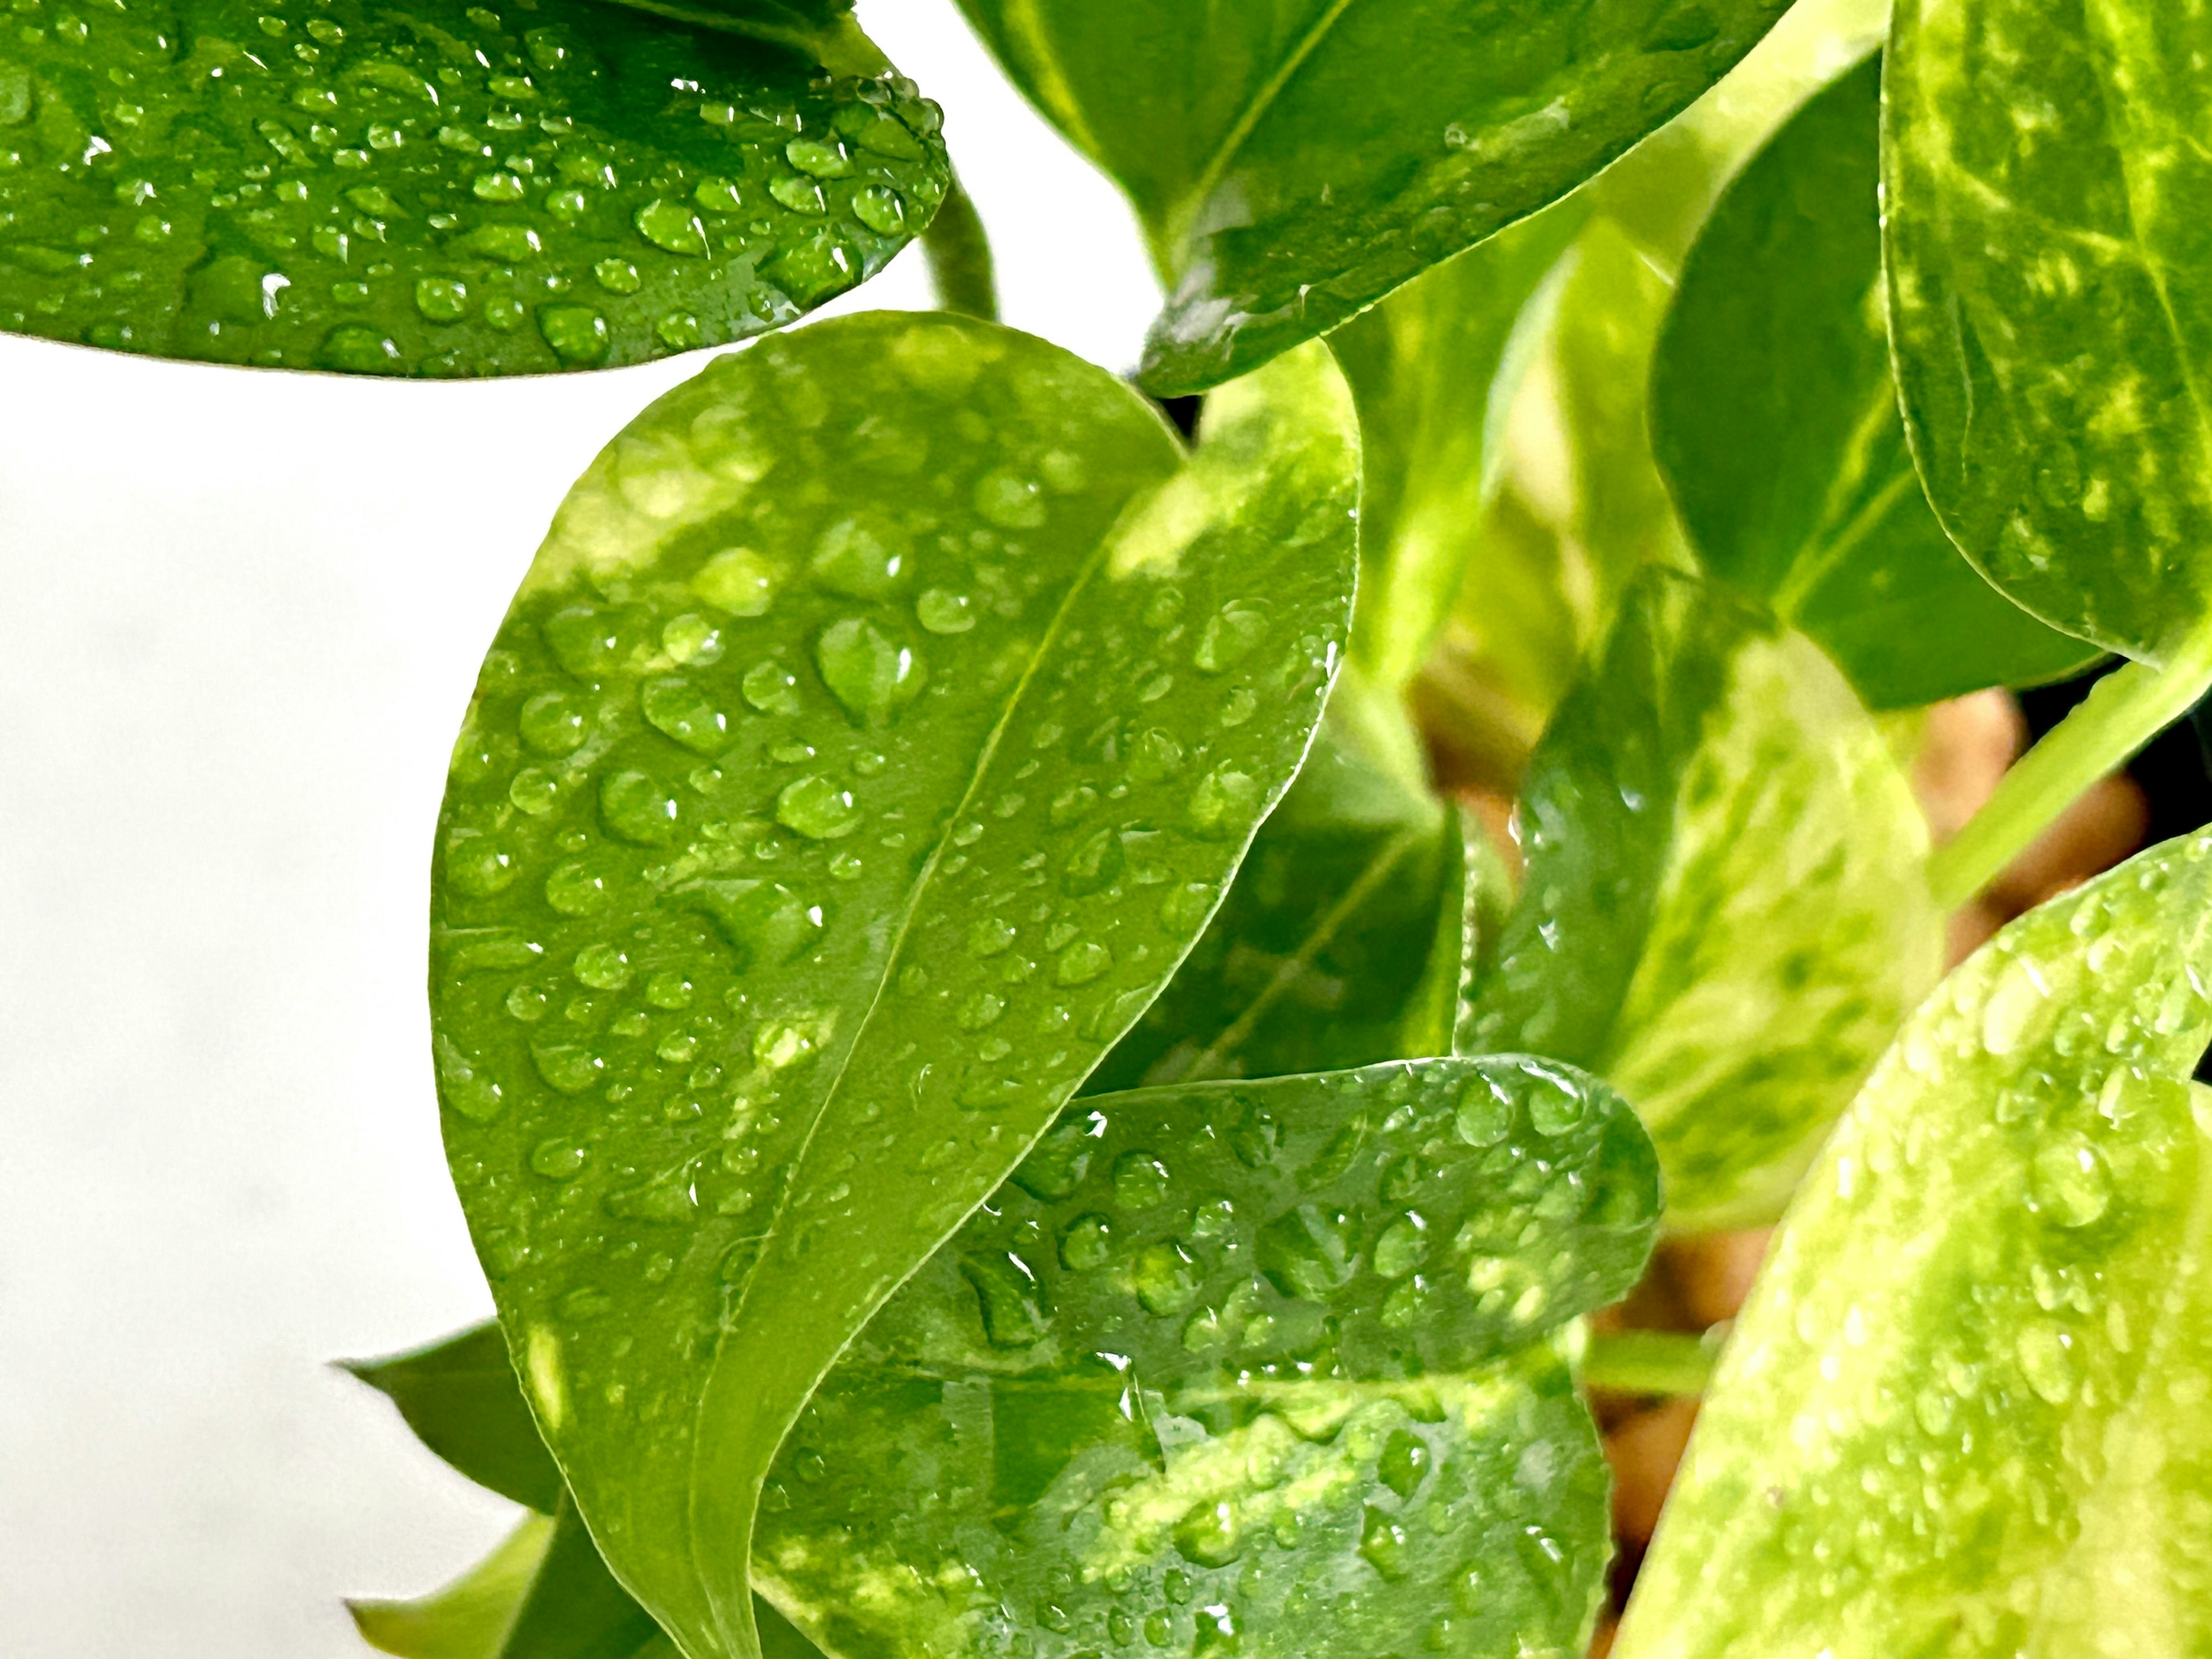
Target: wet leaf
1292,164
1429,374
445,190
2048,302
1724,910
1774,416
805,849
1314,960
1987,1435
1225,1359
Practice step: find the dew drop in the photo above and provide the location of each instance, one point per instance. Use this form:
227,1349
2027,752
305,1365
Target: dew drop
1086,1244
672,227
441,298
861,558
817,808
577,334
1165,1277
1486,1112
2046,1362
678,708
578,888
871,674
1009,500
941,610
558,1158
771,687
1225,801
602,966
739,581
2070,1184
1141,1181
1008,1298
1083,962
636,807
881,209
1230,636
1403,1246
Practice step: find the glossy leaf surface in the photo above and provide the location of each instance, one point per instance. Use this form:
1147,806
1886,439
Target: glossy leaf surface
1292,163
1725,911
442,189
804,851
1316,958
1426,368
1236,1361
2050,304
1986,1434
1775,417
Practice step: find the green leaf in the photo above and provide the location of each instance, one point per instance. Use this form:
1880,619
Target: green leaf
1725,911
544,1594
442,190
1774,416
2048,301
1987,1435
804,848
469,1618
1283,1384
1478,895
1314,958
1293,163
1222,1358
458,1396
1429,374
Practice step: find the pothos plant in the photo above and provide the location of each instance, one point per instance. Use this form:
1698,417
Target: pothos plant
1005,1112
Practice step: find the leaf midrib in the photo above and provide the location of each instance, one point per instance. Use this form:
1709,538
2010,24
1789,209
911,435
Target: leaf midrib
1093,564
1177,221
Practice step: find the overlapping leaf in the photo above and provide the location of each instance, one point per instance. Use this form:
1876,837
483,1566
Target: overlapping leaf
806,846
1317,956
446,189
1724,910
2048,295
1774,416
1429,374
1963,1412
1266,1364
1293,163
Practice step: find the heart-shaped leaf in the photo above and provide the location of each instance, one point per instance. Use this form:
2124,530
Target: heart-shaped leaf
1268,1363
1293,163
2048,301
445,189
1987,1435
1774,416
806,846
1725,911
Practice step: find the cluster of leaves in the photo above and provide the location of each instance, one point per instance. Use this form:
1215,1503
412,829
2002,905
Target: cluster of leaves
1006,1115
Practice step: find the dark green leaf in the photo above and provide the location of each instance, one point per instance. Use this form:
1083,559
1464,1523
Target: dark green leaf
1775,418
1314,960
1428,372
1963,1411
442,190
459,1397
1293,163
1724,910
805,848
2043,234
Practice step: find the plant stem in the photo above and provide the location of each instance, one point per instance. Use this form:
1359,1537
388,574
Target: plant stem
1649,1362
2123,712
959,255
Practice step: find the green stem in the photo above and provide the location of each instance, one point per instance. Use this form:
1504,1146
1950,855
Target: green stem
2123,712
959,255
1649,1362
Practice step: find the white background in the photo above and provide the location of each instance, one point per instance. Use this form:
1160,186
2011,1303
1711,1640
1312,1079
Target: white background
239,616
